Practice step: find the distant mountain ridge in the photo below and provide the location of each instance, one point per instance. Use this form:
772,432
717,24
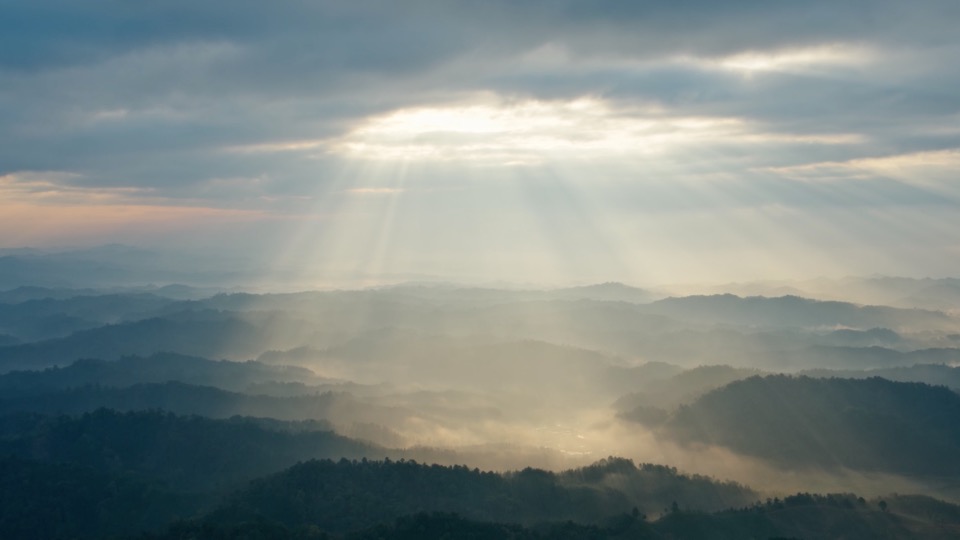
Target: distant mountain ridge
904,292
157,368
114,265
798,312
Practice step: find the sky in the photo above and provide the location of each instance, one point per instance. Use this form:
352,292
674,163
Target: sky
526,141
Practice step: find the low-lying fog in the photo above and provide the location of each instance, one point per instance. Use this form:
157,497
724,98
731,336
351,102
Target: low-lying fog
510,378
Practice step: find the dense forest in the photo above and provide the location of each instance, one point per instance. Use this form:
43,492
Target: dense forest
404,499
796,516
869,424
419,412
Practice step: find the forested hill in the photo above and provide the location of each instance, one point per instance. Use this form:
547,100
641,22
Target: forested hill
349,495
108,473
183,452
868,424
178,398
156,368
797,516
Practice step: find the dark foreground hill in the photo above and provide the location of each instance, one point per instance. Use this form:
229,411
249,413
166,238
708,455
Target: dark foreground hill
182,452
41,501
348,495
798,516
869,424
107,475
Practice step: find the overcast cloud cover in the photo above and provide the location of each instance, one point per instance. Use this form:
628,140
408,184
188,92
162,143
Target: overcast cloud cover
558,141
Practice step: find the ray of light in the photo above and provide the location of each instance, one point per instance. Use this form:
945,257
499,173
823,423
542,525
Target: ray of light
578,191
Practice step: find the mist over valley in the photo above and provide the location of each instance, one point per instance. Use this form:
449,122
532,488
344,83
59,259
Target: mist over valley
727,401
555,270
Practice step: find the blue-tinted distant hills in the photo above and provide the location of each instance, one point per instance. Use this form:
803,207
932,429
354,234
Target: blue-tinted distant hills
794,311
44,318
116,265
904,292
157,368
786,333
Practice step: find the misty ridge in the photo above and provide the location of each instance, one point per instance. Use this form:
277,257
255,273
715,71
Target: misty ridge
466,409
380,270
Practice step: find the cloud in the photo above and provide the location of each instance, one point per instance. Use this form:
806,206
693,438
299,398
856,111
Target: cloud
100,88
54,186
61,223
931,169
374,191
495,132
299,108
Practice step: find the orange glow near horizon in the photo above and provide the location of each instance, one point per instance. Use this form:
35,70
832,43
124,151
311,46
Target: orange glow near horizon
32,224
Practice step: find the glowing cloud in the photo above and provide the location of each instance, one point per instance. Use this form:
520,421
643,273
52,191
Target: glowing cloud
499,132
54,186
274,147
919,168
836,55
505,133
43,206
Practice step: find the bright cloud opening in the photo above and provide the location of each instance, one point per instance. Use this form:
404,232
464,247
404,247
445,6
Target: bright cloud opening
507,133
526,133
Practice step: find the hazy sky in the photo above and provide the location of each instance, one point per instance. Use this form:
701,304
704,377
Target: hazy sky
492,139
